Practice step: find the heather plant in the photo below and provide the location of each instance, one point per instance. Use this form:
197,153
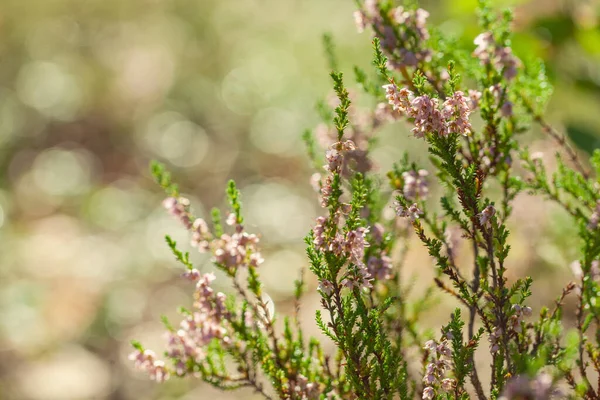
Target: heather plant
470,106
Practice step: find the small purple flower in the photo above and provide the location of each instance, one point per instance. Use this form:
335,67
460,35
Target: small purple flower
326,287
191,274
415,184
399,99
486,215
447,384
411,212
430,345
523,387
428,393
456,114
474,97
507,109
178,207
146,361
490,52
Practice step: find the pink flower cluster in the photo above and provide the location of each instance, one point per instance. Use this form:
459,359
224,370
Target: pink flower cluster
399,99
515,323
436,369
335,160
428,118
335,155
495,338
306,390
359,278
524,387
412,212
326,287
351,245
453,117
455,113
146,361
203,324
519,313
239,249
490,52
195,331
486,215
415,184
474,97
380,267
179,208
405,42
355,243
199,327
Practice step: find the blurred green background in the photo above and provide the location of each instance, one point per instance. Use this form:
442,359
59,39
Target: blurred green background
90,91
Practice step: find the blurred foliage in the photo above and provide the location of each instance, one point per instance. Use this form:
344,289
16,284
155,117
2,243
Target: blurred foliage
217,89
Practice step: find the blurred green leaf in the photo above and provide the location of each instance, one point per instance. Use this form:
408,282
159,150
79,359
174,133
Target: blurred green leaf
584,137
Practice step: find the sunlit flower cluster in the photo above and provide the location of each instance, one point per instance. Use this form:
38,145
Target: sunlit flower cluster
540,387
406,46
199,326
514,326
239,249
435,371
412,212
351,245
486,215
145,360
490,52
187,344
335,160
415,184
305,390
453,117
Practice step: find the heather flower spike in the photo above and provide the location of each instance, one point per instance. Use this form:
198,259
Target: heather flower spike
493,345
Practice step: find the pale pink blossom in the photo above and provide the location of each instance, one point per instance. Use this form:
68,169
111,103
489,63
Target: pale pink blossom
540,387
360,20
474,98
456,114
486,215
380,267
179,208
415,184
494,339
447,384
490,52
146,361
428,393
412,212
507,109
399,99
326,287
428,118
192,275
